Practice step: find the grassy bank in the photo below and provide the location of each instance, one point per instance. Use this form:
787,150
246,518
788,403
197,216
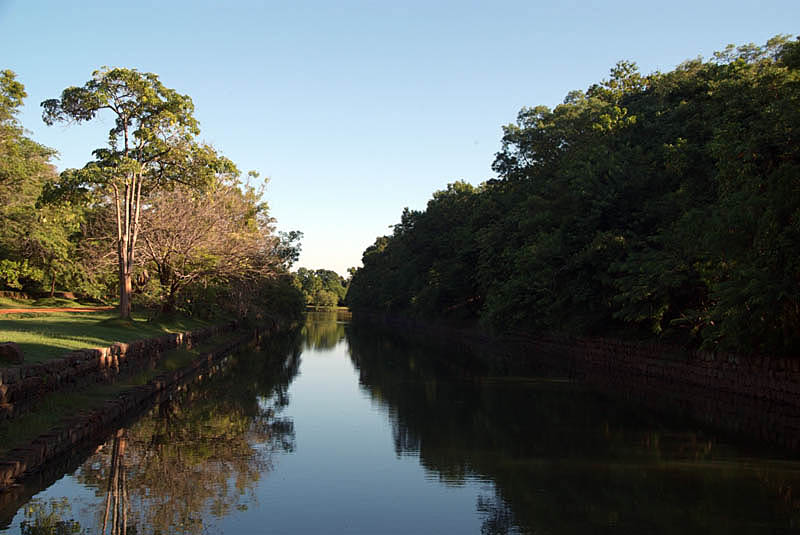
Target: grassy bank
59,406
45,336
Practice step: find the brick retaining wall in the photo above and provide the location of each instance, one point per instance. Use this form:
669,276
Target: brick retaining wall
92,424
22,386
755,396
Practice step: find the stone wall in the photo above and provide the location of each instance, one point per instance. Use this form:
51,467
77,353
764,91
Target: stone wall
22,386
751,396
757,396
94,425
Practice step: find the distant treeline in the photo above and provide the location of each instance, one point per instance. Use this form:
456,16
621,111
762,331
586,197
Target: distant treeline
665,206
321,287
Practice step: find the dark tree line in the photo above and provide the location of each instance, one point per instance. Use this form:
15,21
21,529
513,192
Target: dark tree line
665,205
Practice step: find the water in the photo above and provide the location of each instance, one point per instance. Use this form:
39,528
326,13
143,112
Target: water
344,430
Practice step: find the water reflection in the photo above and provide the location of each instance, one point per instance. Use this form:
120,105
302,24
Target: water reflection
117,493
468,448
198,456
201,455
324,329
48,517
563,458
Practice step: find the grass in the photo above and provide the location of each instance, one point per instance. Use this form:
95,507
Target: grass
42,337
59,406
44,302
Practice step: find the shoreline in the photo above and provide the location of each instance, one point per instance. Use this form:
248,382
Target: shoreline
753,397
75,432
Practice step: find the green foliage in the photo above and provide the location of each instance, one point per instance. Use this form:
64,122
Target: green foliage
11,272
648,206
38,240
321,287
151,147
209,243
289,246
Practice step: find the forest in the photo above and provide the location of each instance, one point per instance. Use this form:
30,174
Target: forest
655,207
156,219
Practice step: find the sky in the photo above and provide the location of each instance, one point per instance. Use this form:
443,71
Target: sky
357,109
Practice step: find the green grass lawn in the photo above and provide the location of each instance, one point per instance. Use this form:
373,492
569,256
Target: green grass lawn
45,336
59,406
44,302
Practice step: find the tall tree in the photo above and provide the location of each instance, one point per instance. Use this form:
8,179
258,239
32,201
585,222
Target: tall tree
151,145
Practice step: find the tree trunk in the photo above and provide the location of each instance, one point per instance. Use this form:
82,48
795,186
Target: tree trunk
169,287
168,305
125,292
53,283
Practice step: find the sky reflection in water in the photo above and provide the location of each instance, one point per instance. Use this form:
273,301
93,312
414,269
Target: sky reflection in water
345,430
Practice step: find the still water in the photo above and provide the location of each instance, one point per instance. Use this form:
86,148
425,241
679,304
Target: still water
341,429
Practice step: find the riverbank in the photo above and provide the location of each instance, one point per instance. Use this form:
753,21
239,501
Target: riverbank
44,336
757,397
93,422
22,386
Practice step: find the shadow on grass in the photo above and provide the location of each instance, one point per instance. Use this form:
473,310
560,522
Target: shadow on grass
43,337
48,302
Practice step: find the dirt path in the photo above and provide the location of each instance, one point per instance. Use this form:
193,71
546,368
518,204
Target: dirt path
63,309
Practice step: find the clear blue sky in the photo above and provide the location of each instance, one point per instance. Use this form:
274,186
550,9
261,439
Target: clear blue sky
357,109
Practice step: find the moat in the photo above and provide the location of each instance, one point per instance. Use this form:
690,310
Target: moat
344,429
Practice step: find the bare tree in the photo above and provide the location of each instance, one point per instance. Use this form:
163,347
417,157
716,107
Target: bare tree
218,236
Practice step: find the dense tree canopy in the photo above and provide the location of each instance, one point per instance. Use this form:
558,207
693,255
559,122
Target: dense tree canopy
37,243
663,205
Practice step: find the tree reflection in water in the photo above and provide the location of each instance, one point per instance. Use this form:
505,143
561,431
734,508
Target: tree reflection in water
498,518
47,518
201,453
116,495
323,329
562,458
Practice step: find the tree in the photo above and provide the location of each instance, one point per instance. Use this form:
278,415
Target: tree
150,147
646,206
289,246
333,284
308,283
321,287
217,236
35,241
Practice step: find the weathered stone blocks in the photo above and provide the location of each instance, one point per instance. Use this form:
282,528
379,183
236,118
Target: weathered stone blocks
10,353
87,366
